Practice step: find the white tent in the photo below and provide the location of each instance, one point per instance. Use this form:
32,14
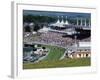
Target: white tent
60,24
62,21
58,21
44,29
31,24
66,22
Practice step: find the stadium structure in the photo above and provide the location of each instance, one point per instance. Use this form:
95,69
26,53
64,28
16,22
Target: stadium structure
74,38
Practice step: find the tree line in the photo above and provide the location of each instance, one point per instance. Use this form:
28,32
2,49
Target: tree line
39,19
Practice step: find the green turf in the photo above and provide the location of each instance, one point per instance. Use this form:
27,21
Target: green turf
60,63
54,53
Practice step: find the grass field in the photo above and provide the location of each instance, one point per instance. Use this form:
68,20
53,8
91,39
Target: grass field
55,53
52,60
60,63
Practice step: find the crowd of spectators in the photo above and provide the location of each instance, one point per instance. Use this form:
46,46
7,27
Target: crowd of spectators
53,38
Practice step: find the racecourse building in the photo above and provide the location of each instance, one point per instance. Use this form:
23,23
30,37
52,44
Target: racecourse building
80,50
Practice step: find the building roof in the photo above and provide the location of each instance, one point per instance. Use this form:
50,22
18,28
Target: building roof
84,44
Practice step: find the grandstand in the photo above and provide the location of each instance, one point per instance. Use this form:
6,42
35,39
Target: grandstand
61,34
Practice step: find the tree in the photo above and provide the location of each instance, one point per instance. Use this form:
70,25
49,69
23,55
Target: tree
43,47
27,29
39,19
36,27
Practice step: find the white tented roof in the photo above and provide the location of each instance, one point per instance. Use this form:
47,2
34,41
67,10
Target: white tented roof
66,23
44,29
60,24
31,24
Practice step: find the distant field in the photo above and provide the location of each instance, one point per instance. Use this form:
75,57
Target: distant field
60,63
